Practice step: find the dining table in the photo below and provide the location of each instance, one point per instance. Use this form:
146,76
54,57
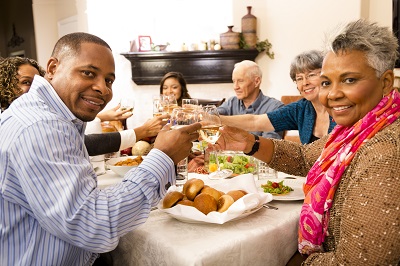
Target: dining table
265,237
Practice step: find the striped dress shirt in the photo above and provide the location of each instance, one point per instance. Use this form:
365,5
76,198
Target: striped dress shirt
51,211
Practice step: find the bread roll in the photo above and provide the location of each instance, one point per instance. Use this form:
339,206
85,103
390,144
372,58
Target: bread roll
236,194
117,124
193,188
186,185
212,191
186,202
140,148
106,127
244,192
205,203
224,202
171,199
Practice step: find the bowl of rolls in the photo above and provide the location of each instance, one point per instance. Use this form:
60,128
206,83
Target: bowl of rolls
203,201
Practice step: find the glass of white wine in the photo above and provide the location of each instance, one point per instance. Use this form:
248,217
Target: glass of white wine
169,103
211,122
157,107
126,104
190,104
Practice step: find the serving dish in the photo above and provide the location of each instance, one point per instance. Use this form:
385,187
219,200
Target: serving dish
120,170
236,161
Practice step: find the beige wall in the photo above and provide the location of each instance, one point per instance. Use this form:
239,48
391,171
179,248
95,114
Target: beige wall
46,15
292,26
18,12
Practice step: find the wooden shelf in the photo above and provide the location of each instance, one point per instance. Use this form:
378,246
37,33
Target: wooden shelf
198,67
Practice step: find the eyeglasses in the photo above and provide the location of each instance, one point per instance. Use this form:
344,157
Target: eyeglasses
300,79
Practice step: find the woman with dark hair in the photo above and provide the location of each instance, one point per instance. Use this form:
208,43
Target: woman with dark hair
174,83
16,76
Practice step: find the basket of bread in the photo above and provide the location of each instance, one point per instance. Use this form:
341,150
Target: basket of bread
203,201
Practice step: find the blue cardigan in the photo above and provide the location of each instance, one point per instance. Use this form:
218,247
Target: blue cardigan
299,116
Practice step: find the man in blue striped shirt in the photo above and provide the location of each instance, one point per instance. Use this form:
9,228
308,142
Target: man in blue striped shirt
51,211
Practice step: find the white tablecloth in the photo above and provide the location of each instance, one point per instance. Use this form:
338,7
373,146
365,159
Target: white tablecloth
266,237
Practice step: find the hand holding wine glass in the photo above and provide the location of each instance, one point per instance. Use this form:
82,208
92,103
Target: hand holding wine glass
127,104
211,122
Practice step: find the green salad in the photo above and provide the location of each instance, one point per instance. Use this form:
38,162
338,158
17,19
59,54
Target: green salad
239,164
276,188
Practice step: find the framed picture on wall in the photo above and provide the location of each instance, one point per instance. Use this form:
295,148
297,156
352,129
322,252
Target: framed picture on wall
20,53
144,43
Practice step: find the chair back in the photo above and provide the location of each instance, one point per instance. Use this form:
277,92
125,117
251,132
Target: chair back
286,99
216,102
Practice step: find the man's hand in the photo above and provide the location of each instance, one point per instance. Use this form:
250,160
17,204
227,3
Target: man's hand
177,143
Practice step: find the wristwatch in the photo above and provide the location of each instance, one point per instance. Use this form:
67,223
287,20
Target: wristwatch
255,147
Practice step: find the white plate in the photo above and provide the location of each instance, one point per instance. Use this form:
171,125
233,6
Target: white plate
296,194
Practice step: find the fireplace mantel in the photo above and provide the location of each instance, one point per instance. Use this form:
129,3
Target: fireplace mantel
198,67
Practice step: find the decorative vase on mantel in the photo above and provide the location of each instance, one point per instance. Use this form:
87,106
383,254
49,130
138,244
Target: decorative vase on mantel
249,29
230,39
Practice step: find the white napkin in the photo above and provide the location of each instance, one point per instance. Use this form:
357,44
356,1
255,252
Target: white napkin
244,206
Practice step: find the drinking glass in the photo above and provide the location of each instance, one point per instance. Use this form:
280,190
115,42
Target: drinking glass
211,122
266,172
181,117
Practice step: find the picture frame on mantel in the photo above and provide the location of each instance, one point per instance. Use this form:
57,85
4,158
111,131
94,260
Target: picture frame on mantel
144,43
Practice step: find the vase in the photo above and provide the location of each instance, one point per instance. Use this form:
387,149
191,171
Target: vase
230,39
249,29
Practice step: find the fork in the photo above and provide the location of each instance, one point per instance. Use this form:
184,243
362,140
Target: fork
270,207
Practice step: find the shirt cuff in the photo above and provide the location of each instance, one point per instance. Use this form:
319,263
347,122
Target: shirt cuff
128,138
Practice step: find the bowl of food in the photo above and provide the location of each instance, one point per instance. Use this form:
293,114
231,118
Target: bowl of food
236,161
122,165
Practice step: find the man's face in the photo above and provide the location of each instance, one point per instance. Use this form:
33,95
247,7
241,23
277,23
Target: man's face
84,81
244,86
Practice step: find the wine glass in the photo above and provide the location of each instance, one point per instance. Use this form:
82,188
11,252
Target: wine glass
126,104
211,122
169,103
157,106
190,104
182,117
